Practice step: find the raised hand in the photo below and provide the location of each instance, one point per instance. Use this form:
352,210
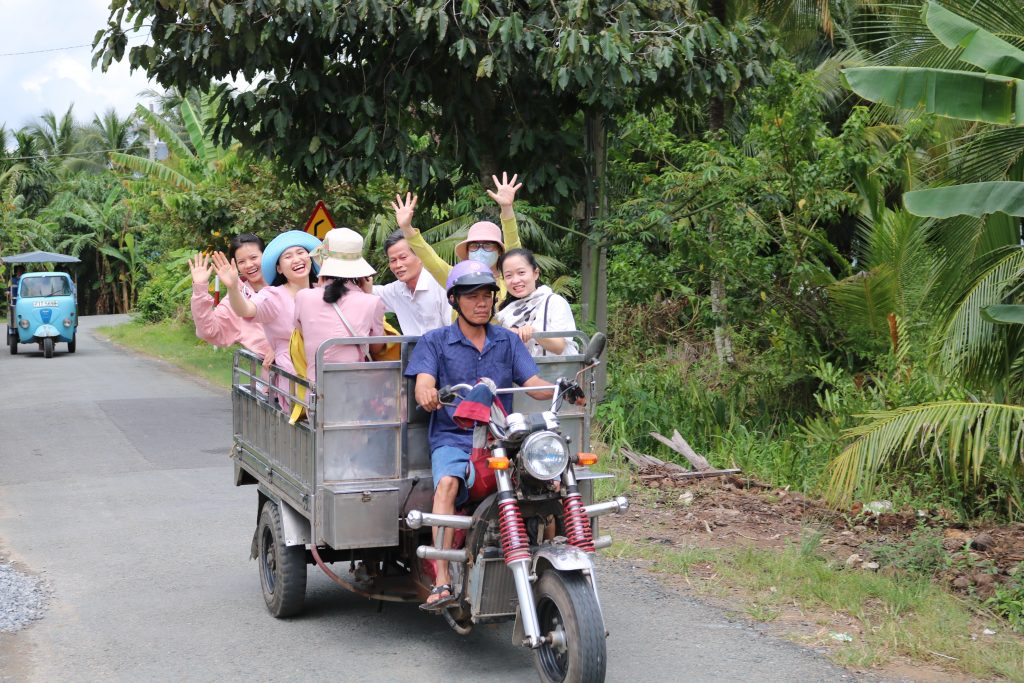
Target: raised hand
226,270
505,191
200,267
404,211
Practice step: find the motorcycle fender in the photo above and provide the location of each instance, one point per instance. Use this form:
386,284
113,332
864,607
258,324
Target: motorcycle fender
562,558
46,331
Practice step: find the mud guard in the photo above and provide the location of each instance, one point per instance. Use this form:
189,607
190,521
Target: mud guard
561,558
296,527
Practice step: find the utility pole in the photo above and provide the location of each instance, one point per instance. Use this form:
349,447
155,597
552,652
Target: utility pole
152,139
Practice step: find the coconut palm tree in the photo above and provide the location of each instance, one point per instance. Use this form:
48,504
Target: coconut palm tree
983,356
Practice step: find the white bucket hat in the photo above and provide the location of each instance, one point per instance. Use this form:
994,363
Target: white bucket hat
341,255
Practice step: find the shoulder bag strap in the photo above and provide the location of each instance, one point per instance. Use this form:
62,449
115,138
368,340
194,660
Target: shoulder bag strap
544,320
364,348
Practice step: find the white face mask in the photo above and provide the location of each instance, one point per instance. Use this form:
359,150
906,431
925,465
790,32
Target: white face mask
488,258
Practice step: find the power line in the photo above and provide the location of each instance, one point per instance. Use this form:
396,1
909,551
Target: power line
67,154
58,49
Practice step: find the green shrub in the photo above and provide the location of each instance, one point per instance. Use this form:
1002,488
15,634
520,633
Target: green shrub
165,295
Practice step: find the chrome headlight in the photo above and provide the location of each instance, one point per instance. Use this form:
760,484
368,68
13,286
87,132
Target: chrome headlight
545,455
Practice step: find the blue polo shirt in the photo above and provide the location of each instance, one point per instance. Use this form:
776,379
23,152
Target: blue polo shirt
446,355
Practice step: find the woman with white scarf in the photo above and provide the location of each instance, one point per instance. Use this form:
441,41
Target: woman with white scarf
530,308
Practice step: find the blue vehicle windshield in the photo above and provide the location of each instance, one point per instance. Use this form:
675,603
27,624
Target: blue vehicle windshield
47,285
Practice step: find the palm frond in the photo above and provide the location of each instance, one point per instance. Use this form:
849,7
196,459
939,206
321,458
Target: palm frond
960,435
153,169
972,347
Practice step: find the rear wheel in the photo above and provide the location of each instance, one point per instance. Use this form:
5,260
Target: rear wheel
73,343
12,339
48,347
570,620
282,567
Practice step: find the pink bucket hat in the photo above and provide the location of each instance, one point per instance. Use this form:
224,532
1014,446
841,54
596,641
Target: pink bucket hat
482,231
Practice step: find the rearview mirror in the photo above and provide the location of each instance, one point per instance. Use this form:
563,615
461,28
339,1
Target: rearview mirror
595,348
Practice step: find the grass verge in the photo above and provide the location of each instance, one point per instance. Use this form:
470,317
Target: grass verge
888,616
176,343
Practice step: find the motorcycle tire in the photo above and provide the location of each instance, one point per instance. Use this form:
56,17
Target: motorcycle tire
48,347
567,609
282,567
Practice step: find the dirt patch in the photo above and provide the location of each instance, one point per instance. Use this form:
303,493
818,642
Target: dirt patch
733,513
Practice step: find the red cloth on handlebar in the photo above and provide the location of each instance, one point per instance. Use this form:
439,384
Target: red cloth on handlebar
475,408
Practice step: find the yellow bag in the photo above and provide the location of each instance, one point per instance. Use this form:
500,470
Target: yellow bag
297,349
390,351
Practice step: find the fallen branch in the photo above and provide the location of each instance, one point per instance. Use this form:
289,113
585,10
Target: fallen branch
678,444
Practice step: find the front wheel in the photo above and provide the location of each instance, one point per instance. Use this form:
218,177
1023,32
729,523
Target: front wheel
282,567
48,347
570,620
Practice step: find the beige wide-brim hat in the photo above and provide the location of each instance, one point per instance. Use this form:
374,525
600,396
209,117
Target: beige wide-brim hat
341,255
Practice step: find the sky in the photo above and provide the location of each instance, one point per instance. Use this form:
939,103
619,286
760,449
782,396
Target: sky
32,83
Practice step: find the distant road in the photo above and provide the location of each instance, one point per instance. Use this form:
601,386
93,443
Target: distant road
115,487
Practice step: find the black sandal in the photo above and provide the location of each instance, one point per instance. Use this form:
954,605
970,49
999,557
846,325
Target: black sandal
439,604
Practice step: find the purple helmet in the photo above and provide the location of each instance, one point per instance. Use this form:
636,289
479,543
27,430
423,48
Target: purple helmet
469,276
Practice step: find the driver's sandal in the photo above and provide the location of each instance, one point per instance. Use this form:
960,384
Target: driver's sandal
439,604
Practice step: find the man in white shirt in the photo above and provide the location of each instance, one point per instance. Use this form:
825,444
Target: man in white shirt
420,303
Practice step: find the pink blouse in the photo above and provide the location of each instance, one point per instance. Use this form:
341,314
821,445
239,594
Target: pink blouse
275,310
319,322
220,326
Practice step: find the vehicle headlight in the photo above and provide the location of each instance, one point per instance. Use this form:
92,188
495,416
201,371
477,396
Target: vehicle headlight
67,322
24,324
544,455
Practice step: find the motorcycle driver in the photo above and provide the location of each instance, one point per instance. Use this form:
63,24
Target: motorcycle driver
462,353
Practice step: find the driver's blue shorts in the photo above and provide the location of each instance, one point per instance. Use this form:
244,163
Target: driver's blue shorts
449,461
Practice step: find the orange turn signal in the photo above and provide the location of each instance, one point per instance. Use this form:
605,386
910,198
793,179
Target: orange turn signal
586,458
497,463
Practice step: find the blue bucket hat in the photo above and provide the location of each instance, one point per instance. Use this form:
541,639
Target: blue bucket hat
281,244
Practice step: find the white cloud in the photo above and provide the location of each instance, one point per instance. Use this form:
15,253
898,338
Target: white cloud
34,82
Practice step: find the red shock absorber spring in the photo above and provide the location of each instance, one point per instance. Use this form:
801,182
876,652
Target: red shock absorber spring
515,544
577,523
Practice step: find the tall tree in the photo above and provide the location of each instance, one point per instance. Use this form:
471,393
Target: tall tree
423,89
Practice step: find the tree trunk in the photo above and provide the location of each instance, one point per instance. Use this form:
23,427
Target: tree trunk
594,304
716,122
723,340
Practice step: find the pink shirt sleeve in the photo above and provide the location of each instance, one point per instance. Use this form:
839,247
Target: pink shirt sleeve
215,325
268,305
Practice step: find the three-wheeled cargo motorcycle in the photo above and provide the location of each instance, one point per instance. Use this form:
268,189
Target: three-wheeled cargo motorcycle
352,481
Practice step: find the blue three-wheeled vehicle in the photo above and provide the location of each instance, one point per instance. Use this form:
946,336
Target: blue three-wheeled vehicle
42,307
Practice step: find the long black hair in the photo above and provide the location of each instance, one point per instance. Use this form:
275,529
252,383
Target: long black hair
244,238
530,258
335,288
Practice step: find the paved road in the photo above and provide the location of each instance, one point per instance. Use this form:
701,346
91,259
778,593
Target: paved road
115,487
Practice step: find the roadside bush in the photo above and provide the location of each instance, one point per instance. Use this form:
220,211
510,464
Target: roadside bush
166,292
1008,600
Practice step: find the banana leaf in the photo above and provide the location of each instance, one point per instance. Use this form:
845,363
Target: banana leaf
1004,314
980,47
955,94
971,199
